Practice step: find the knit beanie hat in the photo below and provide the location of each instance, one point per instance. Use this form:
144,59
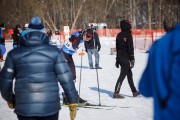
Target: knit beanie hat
89,33
36,23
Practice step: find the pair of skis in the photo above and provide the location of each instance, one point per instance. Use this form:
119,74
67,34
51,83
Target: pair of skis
96,106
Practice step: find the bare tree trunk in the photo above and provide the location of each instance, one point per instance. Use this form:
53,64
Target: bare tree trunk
109,8
74,13
149,13
54,26
160,12
46,22
106,6
71,13
77,15
131,9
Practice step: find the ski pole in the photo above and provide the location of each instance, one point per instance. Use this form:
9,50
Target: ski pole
80,76
98,87
97,71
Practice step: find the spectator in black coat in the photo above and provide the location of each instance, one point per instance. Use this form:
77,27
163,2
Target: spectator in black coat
125,58
16,36
2,38
93,46
37,67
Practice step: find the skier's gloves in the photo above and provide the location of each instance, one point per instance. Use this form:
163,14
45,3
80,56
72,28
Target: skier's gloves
11,105
132,63
73,110
98,49
117,64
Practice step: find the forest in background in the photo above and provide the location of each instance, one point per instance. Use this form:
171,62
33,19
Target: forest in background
144,14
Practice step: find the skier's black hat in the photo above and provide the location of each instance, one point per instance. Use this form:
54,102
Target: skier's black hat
125,24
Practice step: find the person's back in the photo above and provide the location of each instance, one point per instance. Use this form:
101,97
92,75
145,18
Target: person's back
160,79
37,67
124,44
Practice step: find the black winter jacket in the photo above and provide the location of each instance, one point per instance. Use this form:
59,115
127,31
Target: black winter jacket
90,44
124,47
16,37
37,67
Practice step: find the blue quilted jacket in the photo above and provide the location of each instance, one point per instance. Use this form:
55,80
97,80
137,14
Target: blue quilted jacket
36,68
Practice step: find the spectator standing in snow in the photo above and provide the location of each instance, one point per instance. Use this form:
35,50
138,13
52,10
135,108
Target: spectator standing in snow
2,38
37,67
16,36
160,79
69,48
93,46
125,58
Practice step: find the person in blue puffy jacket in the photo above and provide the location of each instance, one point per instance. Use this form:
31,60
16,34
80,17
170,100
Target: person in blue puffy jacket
37,67
160,79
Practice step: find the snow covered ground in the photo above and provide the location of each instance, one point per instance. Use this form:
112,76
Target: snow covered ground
130,108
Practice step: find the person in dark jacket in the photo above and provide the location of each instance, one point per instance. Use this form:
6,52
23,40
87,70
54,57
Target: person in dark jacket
16,36
37,67
2,38
125,58
160,79
93,46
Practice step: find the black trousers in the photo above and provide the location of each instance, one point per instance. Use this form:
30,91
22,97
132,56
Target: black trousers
71,64
125,71
52,117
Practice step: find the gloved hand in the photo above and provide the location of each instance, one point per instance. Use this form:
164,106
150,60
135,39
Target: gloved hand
11,105
132,63
73,110
117,64
98,49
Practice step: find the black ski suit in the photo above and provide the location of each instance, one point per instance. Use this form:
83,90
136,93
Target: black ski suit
125,55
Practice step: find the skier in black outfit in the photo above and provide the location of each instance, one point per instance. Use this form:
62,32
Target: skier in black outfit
125,58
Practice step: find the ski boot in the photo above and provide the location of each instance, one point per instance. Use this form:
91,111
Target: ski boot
91,67
81,101
65,100
135,94
97,67
118,96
